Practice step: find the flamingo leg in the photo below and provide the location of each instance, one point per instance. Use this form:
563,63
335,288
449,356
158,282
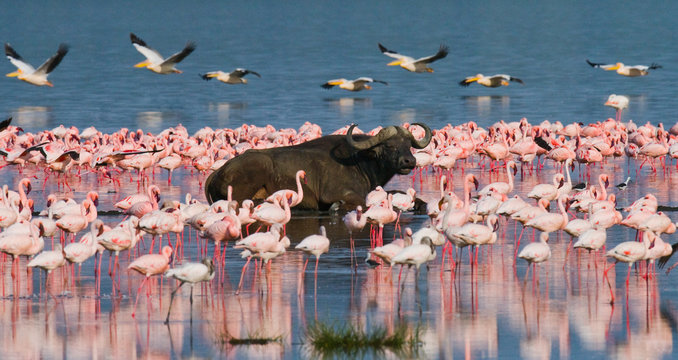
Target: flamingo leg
172,300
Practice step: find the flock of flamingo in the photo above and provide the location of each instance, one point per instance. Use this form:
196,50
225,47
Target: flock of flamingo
457,221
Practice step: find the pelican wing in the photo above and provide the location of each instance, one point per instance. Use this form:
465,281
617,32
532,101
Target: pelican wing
5,123
52,62
509,78
365,79
240,72
600,65
151,55
442,52
390,53
176,58
17,60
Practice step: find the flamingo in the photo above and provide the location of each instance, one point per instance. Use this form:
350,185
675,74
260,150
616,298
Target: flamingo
388,251
191,273
79,252
415,254
477,234
536,252
170,163
354,221
628,252
260,243
550,222
548,191
314,245
294,197
500,186
127,202
72,223
48,261
149,265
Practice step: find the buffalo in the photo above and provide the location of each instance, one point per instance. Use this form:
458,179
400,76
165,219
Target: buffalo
340,169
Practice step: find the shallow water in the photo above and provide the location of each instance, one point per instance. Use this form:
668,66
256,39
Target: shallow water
488,311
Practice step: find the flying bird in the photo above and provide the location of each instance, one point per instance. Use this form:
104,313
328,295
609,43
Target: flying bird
490,81
155,62
358,84
27,73
411,64
630,71
236,76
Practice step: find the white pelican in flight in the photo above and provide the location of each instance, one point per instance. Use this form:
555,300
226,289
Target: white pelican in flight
236,76
155,62
411,64
630,71
490,81
358,84
27,73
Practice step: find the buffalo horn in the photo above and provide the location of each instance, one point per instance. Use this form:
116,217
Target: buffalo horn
384,134
422,143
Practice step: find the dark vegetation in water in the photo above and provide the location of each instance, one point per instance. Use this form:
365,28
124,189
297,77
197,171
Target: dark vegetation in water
251,339
348,340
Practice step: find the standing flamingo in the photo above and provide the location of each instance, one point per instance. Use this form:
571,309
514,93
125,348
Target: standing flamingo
314,245
48,261
536,252
191,273
149,265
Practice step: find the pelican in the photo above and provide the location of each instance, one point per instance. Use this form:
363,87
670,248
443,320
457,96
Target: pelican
490,81
352,85
630,71
410,64
236,76
155,62
27,73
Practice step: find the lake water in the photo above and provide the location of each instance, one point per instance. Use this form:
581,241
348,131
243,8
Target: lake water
296,46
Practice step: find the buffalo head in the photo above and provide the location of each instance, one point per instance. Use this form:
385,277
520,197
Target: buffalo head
391,146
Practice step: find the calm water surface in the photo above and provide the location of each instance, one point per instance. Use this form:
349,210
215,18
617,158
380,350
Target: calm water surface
297,46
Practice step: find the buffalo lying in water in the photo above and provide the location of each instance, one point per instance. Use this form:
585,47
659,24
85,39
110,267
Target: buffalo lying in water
340,169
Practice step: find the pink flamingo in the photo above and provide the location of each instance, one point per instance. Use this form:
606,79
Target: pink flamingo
79,252
260,243
388,251
314,245
170,163
536,252
502,187
48,261
295,197
73,224
122,237
628,252
149,265
550,222
354,221
277,213
381,215
141,208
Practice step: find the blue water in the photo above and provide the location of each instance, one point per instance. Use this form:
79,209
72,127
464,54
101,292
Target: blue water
299,45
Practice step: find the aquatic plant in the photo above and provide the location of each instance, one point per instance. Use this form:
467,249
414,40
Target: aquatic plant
252,339
333,340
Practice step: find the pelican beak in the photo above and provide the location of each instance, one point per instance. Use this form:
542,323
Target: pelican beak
14,74
144,63
49,84
615,67
395,62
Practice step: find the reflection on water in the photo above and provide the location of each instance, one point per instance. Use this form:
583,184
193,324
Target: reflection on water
225,110
346,105
485,311
156,121
33,116
486,105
